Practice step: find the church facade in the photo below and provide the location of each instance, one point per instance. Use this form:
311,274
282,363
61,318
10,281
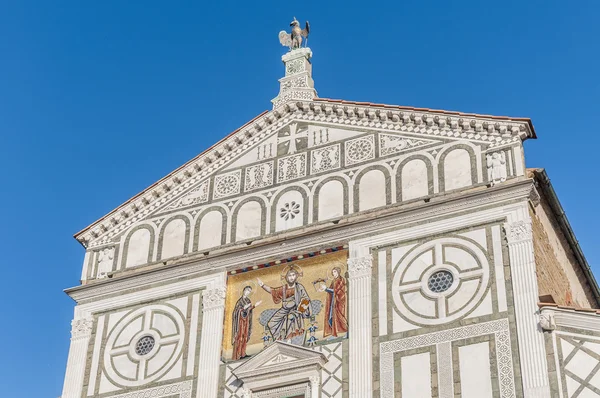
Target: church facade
332,249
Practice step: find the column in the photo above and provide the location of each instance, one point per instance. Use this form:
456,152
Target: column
532,351
81,331
315,385
213,310
360,341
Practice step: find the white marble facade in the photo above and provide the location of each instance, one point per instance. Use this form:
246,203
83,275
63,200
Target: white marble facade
432,206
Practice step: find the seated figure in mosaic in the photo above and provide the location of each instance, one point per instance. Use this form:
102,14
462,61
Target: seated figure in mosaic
288,321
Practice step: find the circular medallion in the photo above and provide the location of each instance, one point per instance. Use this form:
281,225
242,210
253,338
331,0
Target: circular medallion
440,281
144,345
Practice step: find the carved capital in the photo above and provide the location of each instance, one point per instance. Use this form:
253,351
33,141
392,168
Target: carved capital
547,322
360,266
213,298
81,328
518,231
315,381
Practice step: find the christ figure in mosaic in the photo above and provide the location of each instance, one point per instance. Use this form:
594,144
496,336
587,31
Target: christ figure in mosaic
288,321
242,323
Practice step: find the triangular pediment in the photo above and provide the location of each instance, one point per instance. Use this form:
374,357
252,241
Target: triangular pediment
255,169
318,131
280,357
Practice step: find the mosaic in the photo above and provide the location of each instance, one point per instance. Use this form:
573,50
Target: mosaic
303,302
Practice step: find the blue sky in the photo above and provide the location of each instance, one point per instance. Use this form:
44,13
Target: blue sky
100,99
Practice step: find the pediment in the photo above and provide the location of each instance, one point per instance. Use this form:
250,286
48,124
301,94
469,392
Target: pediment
260,167
316,131
280,358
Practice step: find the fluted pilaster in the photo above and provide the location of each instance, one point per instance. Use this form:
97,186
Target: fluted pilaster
81,331
531,340
360,345
213,306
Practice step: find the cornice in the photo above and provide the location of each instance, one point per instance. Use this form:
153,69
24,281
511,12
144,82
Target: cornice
300,358
495,131
586,320
352,227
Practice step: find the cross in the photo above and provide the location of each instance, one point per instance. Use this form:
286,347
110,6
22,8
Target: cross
294,135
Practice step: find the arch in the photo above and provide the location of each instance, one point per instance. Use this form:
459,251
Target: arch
174,237
289,195
459,170
206,227
414,178
248,219
366,186
330,199
138,247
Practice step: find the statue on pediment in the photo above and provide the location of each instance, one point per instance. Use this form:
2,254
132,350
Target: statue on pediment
293,40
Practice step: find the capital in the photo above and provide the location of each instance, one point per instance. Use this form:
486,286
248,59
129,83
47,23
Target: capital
360,266
81,328
518,231
213,298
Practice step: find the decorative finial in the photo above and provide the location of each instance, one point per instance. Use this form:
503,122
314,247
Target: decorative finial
293,40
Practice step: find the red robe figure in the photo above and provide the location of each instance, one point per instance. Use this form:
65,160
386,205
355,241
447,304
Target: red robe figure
242,324
336,322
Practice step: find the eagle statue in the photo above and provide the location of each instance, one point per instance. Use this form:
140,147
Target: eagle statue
293,40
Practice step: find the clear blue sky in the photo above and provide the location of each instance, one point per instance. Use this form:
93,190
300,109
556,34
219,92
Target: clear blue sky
99,99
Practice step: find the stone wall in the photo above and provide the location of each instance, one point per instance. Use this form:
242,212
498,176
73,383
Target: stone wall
558,271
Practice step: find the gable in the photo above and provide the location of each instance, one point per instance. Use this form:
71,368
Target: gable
305,163
279,358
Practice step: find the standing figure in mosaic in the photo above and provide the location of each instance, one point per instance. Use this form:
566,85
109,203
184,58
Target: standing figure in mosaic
336,321
288,321
242,323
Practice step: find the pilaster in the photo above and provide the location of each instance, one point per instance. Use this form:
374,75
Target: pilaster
360,344
315,386
532,351
81,331
213,301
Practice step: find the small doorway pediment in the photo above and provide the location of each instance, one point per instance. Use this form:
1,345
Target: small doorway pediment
282,367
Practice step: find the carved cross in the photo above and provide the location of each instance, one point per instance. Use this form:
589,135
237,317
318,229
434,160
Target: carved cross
292,138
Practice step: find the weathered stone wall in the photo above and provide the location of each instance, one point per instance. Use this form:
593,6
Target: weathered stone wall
558,271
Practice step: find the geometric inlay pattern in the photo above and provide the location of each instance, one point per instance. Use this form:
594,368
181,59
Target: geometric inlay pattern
360,150
440,281
499,328
581,366
331,374
149,340
184,389
227,184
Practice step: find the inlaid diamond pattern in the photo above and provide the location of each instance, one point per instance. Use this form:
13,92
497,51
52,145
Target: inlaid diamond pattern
581,365
233,387
331,374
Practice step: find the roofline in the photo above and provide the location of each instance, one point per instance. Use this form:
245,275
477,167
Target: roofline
565,226
186,164
441,111
525,131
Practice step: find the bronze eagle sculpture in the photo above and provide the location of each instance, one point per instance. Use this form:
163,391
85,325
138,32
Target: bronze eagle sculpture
293,40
